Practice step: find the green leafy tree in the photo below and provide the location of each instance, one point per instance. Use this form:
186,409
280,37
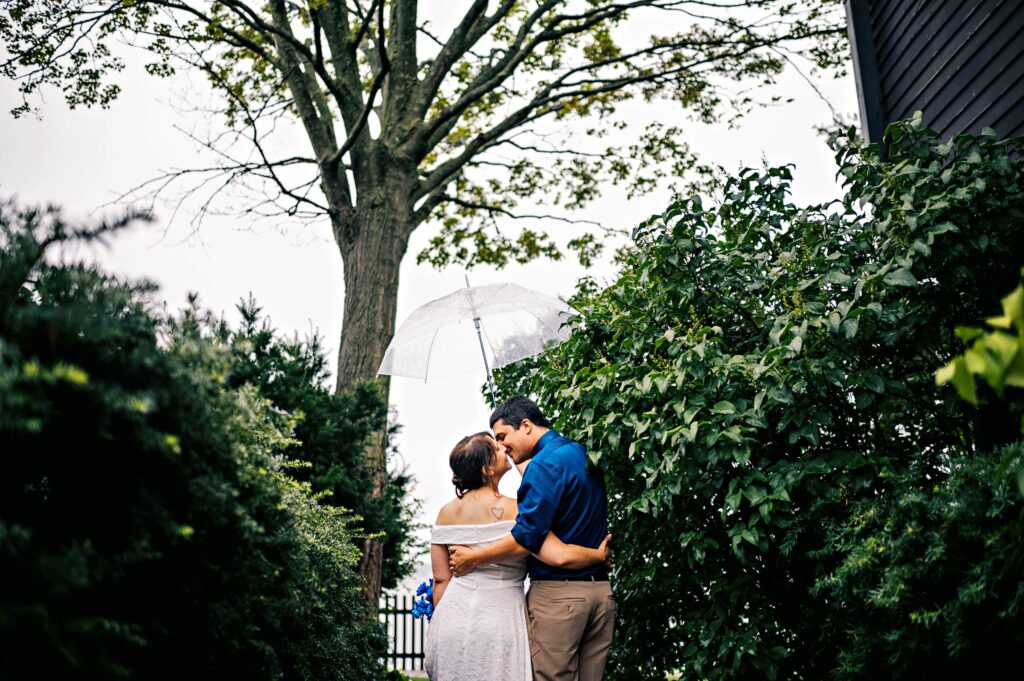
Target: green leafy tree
758,388
332,430
508,110
149,526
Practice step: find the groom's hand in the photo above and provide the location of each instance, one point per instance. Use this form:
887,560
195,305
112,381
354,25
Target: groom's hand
461,560
607,552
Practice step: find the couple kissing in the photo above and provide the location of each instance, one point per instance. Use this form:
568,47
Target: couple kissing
484,545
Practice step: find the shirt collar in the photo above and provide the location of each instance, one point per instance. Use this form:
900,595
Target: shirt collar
544,441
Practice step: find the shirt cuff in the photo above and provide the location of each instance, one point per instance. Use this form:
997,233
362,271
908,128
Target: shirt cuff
531,541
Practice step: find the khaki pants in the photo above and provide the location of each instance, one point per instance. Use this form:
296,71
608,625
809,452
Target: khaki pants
570,625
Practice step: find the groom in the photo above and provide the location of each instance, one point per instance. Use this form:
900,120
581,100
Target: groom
571,612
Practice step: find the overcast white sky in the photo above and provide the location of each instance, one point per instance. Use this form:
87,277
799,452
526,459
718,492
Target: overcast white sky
82,159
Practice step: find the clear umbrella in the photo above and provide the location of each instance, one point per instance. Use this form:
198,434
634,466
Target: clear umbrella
510,322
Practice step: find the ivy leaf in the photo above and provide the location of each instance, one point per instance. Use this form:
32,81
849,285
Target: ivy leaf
901,277
724,407
838,277
962,379
966,334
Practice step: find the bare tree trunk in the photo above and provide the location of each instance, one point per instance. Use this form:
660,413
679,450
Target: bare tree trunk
372,247
372,561
371,267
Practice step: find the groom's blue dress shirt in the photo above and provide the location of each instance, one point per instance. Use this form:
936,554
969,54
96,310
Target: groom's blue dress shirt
561,493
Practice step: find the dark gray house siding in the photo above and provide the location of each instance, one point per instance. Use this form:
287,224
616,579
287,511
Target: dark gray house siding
960,62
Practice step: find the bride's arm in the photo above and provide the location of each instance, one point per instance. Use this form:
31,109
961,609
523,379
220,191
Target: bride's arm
439,565
557,553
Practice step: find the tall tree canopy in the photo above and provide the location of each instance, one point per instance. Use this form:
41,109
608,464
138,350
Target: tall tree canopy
407,126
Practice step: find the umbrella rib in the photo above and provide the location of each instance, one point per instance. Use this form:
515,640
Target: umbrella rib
535,316
430,350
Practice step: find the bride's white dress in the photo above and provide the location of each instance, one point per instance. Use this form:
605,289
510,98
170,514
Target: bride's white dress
478,632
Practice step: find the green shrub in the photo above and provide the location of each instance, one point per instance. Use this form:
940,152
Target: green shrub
760,378
148,526
331,430
930,585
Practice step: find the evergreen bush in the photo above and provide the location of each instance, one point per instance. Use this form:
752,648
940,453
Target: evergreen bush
149,527
331,430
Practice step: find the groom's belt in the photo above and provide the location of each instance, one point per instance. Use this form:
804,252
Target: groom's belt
602,577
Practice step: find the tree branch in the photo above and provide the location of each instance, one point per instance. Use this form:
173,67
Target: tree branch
546,101
447,198
375,87
461,41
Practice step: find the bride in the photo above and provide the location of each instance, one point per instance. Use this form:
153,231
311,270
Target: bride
478,630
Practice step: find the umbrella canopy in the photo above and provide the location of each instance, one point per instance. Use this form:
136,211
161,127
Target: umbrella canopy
438,339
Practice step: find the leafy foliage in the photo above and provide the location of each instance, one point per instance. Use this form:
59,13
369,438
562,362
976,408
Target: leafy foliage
506,112
331,429
149,526
758,388
998,356
930,582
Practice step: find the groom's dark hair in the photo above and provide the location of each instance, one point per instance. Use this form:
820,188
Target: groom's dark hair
513,410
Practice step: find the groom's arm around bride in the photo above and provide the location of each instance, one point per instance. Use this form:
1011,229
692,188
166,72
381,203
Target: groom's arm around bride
571,610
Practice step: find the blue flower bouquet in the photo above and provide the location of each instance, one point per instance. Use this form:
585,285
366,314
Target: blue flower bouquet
425,605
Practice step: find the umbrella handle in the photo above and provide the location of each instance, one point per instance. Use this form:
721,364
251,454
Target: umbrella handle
490,378
480,337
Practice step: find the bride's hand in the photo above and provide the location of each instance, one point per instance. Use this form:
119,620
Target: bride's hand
460,560
606,552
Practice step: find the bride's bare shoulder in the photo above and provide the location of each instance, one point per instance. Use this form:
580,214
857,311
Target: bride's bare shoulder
449,513
510,507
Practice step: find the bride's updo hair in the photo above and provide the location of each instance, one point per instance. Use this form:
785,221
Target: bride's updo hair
468,460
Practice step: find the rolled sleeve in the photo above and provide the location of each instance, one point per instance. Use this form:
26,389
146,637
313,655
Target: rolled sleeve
539,496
